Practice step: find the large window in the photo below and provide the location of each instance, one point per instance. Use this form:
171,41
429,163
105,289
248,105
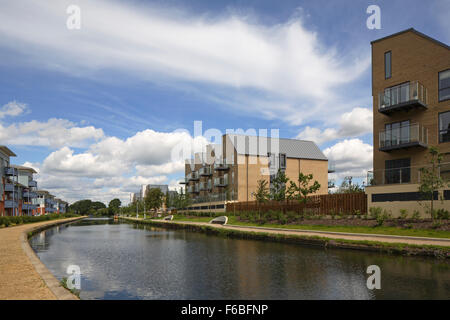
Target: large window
444,85
397,133
444,127
398,171
282,161
387,65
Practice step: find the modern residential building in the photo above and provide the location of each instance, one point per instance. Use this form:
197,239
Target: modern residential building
27,189
18,190
230,171
145,188
9,204
411,112
45,202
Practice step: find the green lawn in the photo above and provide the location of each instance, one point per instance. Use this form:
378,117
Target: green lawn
349,229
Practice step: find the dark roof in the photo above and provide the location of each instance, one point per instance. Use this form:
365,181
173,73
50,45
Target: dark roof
416,32
293,148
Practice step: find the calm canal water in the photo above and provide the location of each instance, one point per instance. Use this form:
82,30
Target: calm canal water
127,261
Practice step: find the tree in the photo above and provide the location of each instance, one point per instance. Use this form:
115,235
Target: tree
154,198
114,204
430,179
262,193
348,187
278,189
167,200
304,188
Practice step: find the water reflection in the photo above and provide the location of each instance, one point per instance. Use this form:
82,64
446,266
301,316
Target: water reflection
128,261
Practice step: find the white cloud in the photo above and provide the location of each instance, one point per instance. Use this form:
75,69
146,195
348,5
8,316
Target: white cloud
13,109
52,133
351,124
294,74
352,157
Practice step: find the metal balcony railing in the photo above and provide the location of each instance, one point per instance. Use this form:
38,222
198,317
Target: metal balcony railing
331,166
205,171
193,176
11,204
413,135
401,97
221,182
11,171
29,194
32,184
403,175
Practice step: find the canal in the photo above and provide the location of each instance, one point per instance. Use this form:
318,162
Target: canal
121,260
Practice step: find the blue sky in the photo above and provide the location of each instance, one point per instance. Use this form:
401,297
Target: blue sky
97,107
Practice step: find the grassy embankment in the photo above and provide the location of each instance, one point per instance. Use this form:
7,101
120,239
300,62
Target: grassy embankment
348,229
17,220
378,246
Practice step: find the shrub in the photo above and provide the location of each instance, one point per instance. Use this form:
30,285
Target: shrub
381,218
442,214
403,214
375,212
416,215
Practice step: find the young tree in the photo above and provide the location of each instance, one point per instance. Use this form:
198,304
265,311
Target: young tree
262,194
304,188
430,179
278,189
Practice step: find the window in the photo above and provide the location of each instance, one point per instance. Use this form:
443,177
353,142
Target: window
397,133
387,65
444,127
398,171
282,161
444,85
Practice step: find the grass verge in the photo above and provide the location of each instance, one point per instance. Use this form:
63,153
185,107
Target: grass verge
382,247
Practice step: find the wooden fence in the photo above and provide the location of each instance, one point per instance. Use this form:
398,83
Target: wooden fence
326,204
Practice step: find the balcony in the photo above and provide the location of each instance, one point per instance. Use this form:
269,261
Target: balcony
221,182
205,171
221,166
27,206
184,181
193,176
403,137
30,195
32,184
204,186
331,167
403,97
193,189
50,210
11,171
11,204
406,175
9,187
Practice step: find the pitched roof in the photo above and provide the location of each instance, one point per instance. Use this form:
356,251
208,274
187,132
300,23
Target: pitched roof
7,151
23,168
416,32
293,148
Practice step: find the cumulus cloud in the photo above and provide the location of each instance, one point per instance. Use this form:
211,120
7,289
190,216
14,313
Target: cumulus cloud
351,124
292,71
13,109
352,157
52,133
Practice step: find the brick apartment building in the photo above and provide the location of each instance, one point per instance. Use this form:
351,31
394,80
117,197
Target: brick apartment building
411,112
230,171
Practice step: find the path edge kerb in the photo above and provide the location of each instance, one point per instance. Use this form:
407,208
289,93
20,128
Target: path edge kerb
49,279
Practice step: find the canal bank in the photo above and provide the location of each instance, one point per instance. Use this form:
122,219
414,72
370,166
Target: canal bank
410,246
22,275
